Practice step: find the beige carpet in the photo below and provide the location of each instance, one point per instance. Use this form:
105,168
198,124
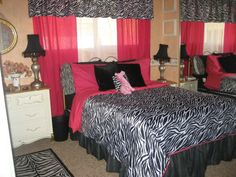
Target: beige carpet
82,164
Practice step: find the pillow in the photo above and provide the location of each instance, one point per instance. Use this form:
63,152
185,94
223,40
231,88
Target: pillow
67,82
133,73
83,76
213,81
228,63
144,66
104,76
117,82
198,66
125,87
213,65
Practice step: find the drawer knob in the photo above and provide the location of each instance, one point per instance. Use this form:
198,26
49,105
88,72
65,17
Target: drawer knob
33,129
31,115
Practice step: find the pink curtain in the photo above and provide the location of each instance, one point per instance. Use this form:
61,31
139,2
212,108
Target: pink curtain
133,41
59,39
192,34
230,37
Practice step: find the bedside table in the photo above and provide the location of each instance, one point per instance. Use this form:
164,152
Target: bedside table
171,83
189,85
29,115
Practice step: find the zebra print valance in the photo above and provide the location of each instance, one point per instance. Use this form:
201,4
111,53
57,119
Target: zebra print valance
208,10
92,8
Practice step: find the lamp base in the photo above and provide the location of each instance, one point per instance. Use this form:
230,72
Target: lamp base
36,84
162,69
181,66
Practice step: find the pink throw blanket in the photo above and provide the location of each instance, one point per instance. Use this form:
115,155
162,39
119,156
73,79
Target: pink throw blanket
213,79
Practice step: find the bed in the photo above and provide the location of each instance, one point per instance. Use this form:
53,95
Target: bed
216,74
156,131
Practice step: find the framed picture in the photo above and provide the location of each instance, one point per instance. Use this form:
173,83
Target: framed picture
169,27
169,6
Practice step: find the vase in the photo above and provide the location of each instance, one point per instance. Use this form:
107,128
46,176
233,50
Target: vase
16,80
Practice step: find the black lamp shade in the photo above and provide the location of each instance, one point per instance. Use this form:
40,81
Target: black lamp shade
33,48
162,53
183,52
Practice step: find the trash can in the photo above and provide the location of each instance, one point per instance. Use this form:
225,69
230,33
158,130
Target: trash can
60,127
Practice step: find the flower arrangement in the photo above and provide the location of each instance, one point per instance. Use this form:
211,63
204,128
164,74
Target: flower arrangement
10,67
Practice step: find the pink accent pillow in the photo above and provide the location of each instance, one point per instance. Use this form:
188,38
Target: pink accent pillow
213,81
84,77
213,65
145,68
125,87
214,72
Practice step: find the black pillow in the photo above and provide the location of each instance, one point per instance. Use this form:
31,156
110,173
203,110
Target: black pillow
228,63
133,73
104,75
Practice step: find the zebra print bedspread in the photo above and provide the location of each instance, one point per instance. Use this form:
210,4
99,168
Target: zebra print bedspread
228,84
143,129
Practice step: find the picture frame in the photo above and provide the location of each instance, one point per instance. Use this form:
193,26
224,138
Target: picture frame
169,6
169,27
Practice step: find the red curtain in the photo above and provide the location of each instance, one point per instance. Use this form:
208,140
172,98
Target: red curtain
59,39
133,39
192,34
230,37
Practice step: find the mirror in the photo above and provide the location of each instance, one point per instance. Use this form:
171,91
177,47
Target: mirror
8,36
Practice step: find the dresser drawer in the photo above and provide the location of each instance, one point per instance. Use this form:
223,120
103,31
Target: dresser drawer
22,101
193,86
29,132
26,115
29,116
189,85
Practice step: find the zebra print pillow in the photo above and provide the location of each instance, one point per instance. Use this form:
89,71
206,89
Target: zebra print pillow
198,66
117,82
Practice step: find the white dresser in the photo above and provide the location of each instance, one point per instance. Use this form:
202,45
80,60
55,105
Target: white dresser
29,115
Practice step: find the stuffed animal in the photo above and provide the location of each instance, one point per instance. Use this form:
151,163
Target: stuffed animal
125,87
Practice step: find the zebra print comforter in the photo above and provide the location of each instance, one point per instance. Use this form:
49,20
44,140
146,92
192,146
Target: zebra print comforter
228,84
143,129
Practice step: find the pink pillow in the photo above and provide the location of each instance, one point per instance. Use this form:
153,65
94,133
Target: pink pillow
213,81
213,65
214,71
145,68
84,77
125,87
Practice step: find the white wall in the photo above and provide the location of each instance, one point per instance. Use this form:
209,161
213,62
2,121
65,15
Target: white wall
6,157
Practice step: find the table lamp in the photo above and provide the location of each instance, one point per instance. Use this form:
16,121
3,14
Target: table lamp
183,56
162,57
33,51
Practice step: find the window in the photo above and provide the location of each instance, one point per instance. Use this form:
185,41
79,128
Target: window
96,37
213,37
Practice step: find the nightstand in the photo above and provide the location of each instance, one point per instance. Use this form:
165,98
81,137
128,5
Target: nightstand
171,83
189,85
29,115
